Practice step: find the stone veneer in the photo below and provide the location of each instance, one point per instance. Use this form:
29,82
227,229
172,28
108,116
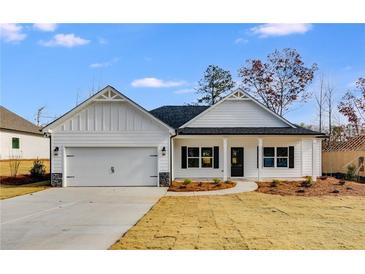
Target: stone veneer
56,179
164,179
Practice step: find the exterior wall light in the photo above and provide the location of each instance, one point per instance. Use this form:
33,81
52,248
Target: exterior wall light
55,151
163,151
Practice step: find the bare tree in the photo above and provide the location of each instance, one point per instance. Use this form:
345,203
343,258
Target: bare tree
329,92
320,100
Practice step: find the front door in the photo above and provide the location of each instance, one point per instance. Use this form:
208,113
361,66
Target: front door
237,162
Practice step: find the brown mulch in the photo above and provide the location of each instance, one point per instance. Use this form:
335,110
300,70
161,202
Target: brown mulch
22,179
199,186
326,186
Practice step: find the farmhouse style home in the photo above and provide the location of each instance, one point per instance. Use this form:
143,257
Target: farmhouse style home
20,138
109,140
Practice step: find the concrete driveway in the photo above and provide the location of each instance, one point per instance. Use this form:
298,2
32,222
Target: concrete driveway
73,218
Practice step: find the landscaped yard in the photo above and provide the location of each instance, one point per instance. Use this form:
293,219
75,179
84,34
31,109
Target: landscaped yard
24,167
9,191
250,221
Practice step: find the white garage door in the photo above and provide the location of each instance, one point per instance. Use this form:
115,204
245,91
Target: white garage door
111,166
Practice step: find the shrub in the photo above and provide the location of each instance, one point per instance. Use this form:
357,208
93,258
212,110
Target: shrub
274,183
216,180
14,164
351,172
38,169
187,181
308,181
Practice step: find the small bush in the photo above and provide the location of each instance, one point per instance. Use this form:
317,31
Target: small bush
216,180
275,183
351,172
308,181
14,164
187,181
38,169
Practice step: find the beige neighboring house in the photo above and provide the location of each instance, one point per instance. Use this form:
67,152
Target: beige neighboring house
21,138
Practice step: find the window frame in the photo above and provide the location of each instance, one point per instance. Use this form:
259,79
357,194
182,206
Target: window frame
275,157
209,157
12,142
200,157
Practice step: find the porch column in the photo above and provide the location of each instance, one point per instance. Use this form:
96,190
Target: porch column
172,159
259,143
313,159
225,158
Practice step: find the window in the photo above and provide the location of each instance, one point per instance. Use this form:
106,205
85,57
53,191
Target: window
207,157
193,157
15,144
282,157
276,157
269,156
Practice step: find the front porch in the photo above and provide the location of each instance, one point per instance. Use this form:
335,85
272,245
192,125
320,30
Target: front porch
253,158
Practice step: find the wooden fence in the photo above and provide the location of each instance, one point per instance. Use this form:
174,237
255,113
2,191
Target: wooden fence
337,161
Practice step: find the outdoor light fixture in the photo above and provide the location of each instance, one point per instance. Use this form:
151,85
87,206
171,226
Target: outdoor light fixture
55,151
163,151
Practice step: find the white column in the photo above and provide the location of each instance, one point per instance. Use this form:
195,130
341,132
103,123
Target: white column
259,143
225,158
172,159
314,177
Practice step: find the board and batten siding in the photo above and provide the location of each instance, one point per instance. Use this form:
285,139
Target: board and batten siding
302,157
110,124
237,113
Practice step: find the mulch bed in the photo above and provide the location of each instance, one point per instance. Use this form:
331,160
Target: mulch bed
22,179
199,186
328,186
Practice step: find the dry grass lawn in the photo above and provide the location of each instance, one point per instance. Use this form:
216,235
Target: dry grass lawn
25,166
9,191
250,221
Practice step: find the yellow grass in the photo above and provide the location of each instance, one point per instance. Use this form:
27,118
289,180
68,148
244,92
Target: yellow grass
9,191
25,166
250,221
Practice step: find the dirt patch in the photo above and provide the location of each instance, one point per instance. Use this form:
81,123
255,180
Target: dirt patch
322,187
199,186
22,179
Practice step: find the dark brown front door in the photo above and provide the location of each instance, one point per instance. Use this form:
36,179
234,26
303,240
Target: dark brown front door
237,162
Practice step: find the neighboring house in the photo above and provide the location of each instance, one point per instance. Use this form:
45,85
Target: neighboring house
109,140
337,156
20,138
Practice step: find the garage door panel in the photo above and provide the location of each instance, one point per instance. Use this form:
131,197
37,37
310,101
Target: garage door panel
111,166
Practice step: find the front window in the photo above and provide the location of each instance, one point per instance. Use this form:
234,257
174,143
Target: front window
207,157
269,157
15,144
282,157
193,157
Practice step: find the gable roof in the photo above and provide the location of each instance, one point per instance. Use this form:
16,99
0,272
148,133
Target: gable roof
108,93
356,143
240,94
176,116
11,121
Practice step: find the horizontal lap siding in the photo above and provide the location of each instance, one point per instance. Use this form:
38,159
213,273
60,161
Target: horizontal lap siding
237,114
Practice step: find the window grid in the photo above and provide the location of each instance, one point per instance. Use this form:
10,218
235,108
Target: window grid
276,158
200,157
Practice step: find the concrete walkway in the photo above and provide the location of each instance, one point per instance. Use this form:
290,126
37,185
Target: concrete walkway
73,218
241,186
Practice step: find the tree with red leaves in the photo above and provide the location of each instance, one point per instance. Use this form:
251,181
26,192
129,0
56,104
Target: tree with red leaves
278,82
352,105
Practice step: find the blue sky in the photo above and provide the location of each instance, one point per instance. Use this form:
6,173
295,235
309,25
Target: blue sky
159,64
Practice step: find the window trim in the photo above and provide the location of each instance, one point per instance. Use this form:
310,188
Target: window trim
209,157
275,157
200,157
12,142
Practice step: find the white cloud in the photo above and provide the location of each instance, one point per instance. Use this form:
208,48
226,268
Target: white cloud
240,41
151,82
12,32
266,30
45,26
184,91
104,64
65,40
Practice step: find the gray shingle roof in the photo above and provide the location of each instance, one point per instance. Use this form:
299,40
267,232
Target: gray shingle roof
247,131
11,121
176,116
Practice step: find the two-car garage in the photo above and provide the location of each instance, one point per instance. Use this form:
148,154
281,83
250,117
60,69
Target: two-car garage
111,166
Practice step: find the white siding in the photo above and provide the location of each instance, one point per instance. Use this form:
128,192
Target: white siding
237,113
31,146
110,124
302,159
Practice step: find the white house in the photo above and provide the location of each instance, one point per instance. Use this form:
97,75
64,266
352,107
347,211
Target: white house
109,140
21,138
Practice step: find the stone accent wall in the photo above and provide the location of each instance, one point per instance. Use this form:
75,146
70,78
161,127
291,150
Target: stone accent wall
56,179
164,179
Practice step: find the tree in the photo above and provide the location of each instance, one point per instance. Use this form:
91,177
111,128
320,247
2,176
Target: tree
329,93
278,82
352,105
320,98
214,85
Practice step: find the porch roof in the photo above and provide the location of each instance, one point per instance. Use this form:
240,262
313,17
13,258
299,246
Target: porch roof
247,131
